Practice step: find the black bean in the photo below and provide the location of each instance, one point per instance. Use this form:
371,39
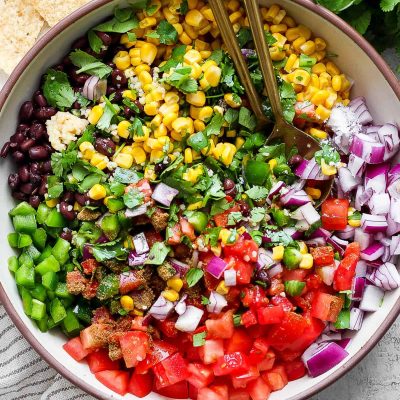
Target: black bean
18,138
244,208
76,105
66,235
34,201
43,186
231,192
128,113
68,197
80,198
296,159
79,79
26,145
26,188
105,146
48,148
229,187
18,156
13,181
118,77
26,111
46,167
35,168
39,99
105,38
79,43
139,105
36,179
59,67
38,131
110,90
5,150
24,173
67,211
38,153
118,95
19,196
23,128
45,112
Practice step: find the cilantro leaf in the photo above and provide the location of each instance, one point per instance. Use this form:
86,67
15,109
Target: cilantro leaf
269,38
205,301
117,26
257,214
158,253
62,162
231,116
166,33
89,64
94,41
184,7
247,119
126,176
181,79
220,206
336,5
129,103
243,37
175,59
288,100
217,56
215,125
193,276
57,89
389,5
280,237
211,236
234,217
198,141
257,192
199,339
109,251
110,110
133,198
136,128
328,154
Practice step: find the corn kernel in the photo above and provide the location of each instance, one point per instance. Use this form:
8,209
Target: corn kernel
314,193
213,75
233,100
123,129
306,262
123,160
156,155
199,126
277,54
175,284
197,99
98,159
302,247
188,156
97,192
292,34
95,114
318,68
192,56
122,60
277,253
301,77
170,295
332,68
139,155
327,169
51,203
127,303
320,44
239,142
195,206
322,112
125,41
318,133
151,108
84,146
336,83
183,125
148,53
320,97
355,223
194,18
185,39
273,163
222,288
290,63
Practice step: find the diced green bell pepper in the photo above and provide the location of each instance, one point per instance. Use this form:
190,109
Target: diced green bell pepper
45,253
55,219
50,280
38,310
256,172
62,291
83,312
24,240
25,259
114,205
42,213
57,310
42,324
292,258
343,320
39,238
199,220
23,208
13,239
13,264
110,226
49,264
25,223
39,292
70,324
108,287
279,216
25,276
26,301
33,252
51,324
60,250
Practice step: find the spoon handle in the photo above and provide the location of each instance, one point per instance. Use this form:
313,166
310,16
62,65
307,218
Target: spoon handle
230,40
267,69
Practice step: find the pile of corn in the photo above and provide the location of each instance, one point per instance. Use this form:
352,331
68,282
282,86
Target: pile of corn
322,85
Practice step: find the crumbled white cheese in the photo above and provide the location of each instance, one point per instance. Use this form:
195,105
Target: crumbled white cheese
64,128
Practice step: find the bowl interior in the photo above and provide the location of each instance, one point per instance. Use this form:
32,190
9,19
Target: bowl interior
352,59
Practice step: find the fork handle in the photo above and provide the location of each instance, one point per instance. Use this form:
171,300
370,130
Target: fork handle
230,40
267,68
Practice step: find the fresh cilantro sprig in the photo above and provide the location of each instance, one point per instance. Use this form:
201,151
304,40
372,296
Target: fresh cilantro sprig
89,64
165,32
328,154
57,90
180,78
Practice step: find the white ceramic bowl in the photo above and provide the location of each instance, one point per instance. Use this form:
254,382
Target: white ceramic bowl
356,58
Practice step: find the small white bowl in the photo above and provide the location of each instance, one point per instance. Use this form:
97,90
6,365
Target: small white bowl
373,79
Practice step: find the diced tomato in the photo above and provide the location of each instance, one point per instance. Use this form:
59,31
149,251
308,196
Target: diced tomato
232,363
258,389
238,394
261,346
345,273
278,300
172,370
244,271
240,341
268,362
100,361
187,228
90,290
313,282
212,350
178,390
221,328
295,370
75,349
140,385
334,214
89,266
214,392
159,351
193,392
134,345
222,218
129,281
326,307
137,324
249,318
241,380
297,274
304,110
175,233
94,336
243,249
276,378
167,327
322,255
352,248
200,375
117,381
270,315
254,296
153,237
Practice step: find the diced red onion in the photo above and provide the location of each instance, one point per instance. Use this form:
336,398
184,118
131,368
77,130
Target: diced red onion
395,245
140,243
361,269
320,358
310,214
344,343
275,270
310,169
379,204
135,212
357,288
365,147
393,227
293,198
189,320
216,302
338,244
347,181
318,241
216,267
302,225
327,274
389,136
321,233
373,223
373,252
162,308
372,298
135,259
180,267
264,259
362,197
347,233
360,109
362,238
87,251
94,88
356,166
356,319
293,233
276,188
394,210
164,194
386,277
230,277
328,337
376,177
180,308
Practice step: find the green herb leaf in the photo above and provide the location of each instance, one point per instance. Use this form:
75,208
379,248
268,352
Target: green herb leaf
182,80
211,236
294,288
166,33
136,127
62,162
244,37
220,206
328,154
205,301
133,198
247,119
231,116
89,64
193,276
57,89
127,176
110,110
158,253
215,125
94,41
175,59
269,38
280,237
198,141
199,339
184,7
217,56
257,192
234,217
389,5
131,36
257,214
116,26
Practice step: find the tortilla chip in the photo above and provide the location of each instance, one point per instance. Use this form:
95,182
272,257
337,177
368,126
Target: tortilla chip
20,25
54,11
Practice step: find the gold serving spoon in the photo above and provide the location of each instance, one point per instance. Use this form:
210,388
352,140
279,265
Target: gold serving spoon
287,133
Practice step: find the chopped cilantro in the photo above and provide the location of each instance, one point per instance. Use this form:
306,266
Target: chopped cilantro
57,89
158,253
270,39
198,141
328,154
62,162
136,127
184,7
54,187
176,58
193,276
215,125
126,176
165,32
131,36
220,206
199,339
280,237
110,110
94,41
257,192
257,214
133,198
288,100
205,301
216,56
237,319
243,37
231,116
89,64
83,101
116,25
211,236
234,217
247,119
257,236
182,80
129,103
